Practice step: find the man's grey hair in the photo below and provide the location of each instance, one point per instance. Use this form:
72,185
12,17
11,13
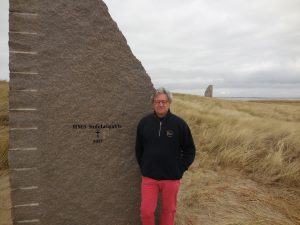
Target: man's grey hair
162,90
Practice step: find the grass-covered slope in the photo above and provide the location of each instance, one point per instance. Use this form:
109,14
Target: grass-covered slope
260,139
3,124
237,141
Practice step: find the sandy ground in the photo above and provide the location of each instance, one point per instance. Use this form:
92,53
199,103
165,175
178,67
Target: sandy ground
221,197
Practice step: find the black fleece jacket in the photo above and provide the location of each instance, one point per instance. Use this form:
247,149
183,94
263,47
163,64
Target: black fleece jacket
164,147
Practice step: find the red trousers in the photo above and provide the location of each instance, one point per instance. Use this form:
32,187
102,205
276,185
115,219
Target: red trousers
150,190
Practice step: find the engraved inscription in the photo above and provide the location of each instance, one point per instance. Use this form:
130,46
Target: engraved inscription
102,129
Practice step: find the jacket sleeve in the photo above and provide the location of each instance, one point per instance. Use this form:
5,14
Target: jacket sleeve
139,144
187,148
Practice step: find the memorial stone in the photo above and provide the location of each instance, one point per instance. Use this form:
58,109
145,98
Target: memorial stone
209,91
76,95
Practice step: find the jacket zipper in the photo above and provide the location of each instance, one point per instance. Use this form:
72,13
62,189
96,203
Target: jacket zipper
159,128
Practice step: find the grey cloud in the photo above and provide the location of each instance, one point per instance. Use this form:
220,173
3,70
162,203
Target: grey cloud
179,79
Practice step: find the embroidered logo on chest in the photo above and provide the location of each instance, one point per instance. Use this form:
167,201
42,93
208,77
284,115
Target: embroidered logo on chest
169,133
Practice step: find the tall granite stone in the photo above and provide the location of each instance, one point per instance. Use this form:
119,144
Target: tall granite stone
209,91
76,95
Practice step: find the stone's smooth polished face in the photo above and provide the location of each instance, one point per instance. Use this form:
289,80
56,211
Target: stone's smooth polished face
72,131
161,105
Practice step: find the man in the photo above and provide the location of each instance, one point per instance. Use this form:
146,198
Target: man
164,151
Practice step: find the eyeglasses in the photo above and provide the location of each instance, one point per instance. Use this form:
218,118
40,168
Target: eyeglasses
157,102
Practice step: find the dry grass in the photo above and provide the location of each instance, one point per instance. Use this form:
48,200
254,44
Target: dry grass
3,124
259,139
5,201
247,165
5,215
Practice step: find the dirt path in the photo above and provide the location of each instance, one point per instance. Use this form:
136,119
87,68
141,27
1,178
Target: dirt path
222,197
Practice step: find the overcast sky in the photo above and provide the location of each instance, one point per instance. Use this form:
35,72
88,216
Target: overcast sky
243,48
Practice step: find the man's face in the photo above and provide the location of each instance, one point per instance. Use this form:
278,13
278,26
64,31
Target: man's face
161,105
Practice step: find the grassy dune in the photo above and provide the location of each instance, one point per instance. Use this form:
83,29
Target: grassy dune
247,166
3,124
261,140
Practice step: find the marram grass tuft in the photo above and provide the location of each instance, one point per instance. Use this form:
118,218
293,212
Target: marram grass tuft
3,124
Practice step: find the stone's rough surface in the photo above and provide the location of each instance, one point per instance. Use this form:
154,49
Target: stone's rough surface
76,95
209,91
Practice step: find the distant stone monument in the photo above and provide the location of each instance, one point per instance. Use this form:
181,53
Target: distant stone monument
76,95
209,91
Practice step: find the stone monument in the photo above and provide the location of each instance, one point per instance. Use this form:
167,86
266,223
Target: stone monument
209,91
76,95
